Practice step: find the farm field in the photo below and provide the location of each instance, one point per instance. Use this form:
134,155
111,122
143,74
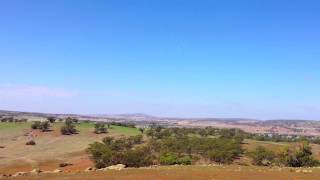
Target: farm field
51,148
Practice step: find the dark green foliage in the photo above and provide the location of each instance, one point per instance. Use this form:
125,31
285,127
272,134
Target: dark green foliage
262,157
51,119
168,146
130,125
137,157
35,125
44,126
100,154
298,157
119,151
31,142
168,158
171,158
141,130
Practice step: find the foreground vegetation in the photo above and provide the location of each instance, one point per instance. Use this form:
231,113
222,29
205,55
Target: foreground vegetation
170,146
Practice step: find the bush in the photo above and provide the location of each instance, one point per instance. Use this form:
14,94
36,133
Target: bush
100,128
141,130
36,125
168,158
44,126
185,160
137,139
51,119
101,154
262,157
31,142
68,128
137,157
300,156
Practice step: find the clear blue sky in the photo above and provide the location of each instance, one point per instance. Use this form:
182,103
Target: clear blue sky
249,58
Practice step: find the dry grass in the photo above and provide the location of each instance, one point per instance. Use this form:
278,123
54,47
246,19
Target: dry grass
51,147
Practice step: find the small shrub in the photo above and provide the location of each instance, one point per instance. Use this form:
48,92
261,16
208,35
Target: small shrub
68,128
262,157
168,159
51,119
31,142
35,125
100,128
64,164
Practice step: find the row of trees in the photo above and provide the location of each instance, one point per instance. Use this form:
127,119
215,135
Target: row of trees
284,138
123,124
11,120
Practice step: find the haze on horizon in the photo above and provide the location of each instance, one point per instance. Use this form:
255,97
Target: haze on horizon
166,58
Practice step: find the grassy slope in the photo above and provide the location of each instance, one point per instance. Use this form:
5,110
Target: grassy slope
50,146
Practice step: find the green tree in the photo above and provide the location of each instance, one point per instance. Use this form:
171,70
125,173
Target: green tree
100,154
51,119
68,128
262,157
100,128
300,156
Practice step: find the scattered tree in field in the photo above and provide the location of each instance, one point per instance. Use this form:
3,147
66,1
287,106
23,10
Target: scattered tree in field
262,157
51,119
44,126
68,128
35,125
100,128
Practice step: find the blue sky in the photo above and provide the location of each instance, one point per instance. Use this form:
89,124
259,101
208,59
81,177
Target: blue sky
250,58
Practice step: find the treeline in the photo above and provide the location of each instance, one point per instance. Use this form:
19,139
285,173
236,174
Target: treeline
284,138
123,124
11,120
166,146
210,131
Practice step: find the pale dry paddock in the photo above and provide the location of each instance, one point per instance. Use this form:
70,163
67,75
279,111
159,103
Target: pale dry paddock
51,147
